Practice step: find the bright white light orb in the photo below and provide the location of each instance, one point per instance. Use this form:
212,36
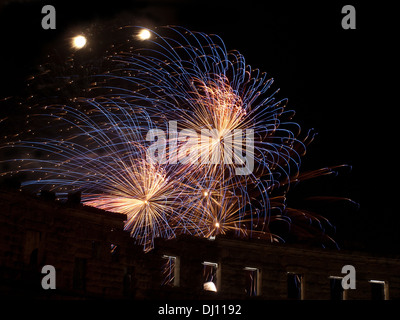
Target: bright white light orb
144,34
79,42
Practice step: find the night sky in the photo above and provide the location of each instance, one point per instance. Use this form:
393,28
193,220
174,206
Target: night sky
338,81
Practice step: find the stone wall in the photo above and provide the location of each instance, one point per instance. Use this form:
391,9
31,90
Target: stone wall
274,262
94,258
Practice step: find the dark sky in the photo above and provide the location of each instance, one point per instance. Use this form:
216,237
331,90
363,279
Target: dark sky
337,81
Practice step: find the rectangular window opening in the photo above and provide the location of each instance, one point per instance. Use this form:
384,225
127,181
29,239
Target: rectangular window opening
210,276
252,281
378,290
79,274
336,288
129,282
294,286
170,271
114,251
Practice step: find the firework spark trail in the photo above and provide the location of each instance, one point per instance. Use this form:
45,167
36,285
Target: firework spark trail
206,87
105,158
191,84
100,144
149,198
191,78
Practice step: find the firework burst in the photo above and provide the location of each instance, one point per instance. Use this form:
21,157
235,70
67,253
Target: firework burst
202,179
